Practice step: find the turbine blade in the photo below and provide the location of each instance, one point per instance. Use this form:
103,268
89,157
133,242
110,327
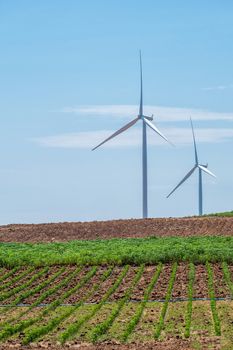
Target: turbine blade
194,142
141,87
206,170
127,126
153,127
182,181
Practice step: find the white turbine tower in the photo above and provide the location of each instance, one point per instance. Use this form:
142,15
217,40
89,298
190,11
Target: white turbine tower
146,121
200,168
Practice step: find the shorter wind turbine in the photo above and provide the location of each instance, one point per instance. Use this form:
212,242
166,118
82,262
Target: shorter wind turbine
200,168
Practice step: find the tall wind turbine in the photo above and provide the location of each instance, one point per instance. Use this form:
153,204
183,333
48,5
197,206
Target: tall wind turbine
146,121
200,168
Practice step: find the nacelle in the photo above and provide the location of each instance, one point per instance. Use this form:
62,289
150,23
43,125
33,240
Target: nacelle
148,118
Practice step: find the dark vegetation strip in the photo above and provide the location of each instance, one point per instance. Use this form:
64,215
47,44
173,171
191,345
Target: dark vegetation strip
38,301
71,330
165,305
103,327
223,214
9,330
16,279
9,273
134,251
22,286
37,332
137,316
188,317
216,320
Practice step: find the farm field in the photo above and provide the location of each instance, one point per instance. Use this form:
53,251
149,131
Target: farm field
144,292
110,304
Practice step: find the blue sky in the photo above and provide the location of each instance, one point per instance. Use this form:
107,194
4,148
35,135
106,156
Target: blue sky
70,77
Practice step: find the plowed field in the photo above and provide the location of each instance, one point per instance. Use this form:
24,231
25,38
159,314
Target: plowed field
61,232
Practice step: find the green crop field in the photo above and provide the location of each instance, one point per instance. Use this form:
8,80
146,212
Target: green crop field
119,251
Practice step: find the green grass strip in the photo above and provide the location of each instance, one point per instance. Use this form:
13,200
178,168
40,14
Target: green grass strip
223,214
16,279
165,304
216,320
188,316
227,277
37,332
71,330
32,292
9,273
9,330
103,327
137,316
25,285
119,251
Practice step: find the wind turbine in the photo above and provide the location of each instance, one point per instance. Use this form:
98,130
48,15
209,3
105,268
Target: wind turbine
200,168
146,121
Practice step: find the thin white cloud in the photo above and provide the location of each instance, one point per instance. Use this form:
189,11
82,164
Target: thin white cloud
218,87
160,113
132,138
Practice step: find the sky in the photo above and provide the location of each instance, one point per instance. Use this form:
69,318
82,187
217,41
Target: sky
69,77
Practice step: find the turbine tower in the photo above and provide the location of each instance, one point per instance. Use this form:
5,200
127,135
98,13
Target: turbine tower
146,121
200,168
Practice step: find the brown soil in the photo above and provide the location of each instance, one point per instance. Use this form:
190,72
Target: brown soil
171,344
139,290
200,289
117,228
160,289
180,288
126,283
220,286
